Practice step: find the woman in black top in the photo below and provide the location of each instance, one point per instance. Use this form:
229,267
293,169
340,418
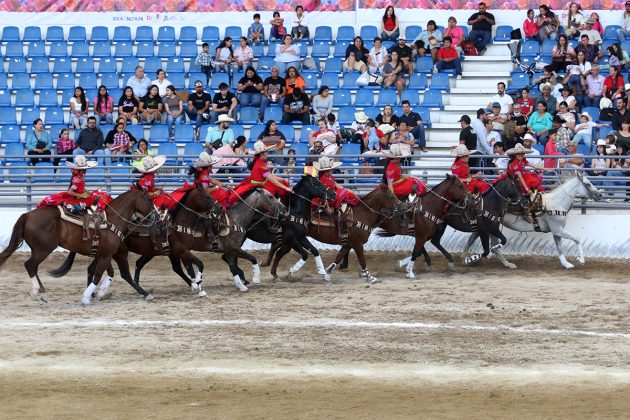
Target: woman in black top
387,117
356,56
128,106
250,86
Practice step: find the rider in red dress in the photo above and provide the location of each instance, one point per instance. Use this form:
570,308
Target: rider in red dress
260,176
77,195
461,170
148,168
400,185
325,166
529,180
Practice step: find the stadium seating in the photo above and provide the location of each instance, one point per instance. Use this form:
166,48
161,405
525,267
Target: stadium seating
77,34
503,33
187,34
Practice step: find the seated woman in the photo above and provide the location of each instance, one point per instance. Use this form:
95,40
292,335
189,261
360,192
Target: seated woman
401,186
461,170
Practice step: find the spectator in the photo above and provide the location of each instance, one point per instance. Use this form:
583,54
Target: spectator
404,54
624,32
326,137
503,160
576,162
621,114
79,106
566,116
139,82
568,98
546,97
481,145
128,105
527,104
597,24
594,37
38,143
540,122
243,56
90,142
322,104
121,141
356,56
618,57
237,163
547,22
455,33
65,146
274,89
358,128
198,106
109,138
386,134
529,141
387,117
250,86
296,107
299,26
481,33
161,82
224,56
515,127
594,85
389,25
151,106
600,166
140,153
620,169
492,136
392,73
504,100
431,38
448,58
530,27
576,75
575,21
277,27
333,125
591,52
563,134
613,85
403,137
551,149
271,136
220,135
468,135
373,136
103,106
584,130
377,57
287,55
204,59
415,124
293,80
174,109
314,151
223,102
256,31
562,54
497,119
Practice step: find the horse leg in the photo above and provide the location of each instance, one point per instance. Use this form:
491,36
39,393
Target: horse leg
32,266
436,241
101,266
255,266
275,246
485,242
231,260
497,235
417,251
142,261
471,240
566,235
122,261
176,265
369,278
105,282
341,255
306,244
344,263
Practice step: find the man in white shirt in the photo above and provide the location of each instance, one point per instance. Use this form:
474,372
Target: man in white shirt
594,85
501,97
528,142
479,125
139,82
594,37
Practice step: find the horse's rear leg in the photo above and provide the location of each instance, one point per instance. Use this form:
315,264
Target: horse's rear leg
140,263
560,233
255,266
122,261
417,251
306,244
436,240
176,265
341,255
231,260
284,250
32,266
189,260
496,245
358,249
344,264
275,246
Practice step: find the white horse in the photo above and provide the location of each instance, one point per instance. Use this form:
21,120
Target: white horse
557,205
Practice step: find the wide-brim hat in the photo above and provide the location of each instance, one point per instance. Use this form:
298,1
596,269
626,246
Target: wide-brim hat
325,163
461,150
361,117
151,164
224,118
605,103
259,147
80,162
206,159
546,85
590,21
519,149
602,142
395,152
587,115
530,137
386,128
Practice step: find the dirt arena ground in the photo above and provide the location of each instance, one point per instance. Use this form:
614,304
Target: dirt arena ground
476,342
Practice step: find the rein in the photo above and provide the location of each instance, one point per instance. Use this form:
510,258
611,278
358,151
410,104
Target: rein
135,225
446,199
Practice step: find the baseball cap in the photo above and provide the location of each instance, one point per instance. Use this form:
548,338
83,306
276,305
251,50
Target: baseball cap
465,118
198,83
496,105
402,37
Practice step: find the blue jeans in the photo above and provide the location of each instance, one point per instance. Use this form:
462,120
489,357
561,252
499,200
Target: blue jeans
480,38
616,173
198,119
594,102
250,99
282,67
419,136
455,64
214,116
171,121
586,138
575,81
107,160
622,34
109,119
393,37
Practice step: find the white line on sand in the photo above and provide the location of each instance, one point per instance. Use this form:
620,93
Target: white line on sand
315,323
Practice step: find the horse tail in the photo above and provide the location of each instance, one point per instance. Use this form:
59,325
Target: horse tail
65,267
17,237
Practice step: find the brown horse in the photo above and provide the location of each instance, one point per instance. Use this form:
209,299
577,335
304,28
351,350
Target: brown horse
44,230
423,217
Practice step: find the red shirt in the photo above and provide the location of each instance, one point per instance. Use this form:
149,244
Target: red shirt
526,105
530,28
516,167
461,170
260,172
328,179
203,179
449,52
147,182
77,184
389,24
612,87
392,172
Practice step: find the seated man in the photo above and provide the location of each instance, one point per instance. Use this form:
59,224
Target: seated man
296,107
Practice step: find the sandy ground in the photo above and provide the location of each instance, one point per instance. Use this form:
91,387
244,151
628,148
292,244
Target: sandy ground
537,342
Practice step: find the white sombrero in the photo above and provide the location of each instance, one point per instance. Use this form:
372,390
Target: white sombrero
530,137
224,118
259,147
360,117
325,163
587,115
461,150
80,162
395,152
205,160
151,164
519,149
386,128
601,142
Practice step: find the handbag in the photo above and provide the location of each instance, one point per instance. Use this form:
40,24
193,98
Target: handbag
363,79
219,142
375,79
40,145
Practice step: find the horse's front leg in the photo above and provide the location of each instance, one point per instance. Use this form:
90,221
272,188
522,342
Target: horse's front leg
343,252
562,233
306,244
255,266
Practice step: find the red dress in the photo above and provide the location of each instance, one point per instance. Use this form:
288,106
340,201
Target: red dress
343,194
402,185
77,185
162,200
532,179
257,178
462,171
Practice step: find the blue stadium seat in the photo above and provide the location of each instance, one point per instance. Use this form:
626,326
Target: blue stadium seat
36,49
194,77
43,172
14,49
191,149
249,115
345,33
3,81
66,95
547,46
440,81
350,80
333,65
54,115
323,34
48,97
369,32
14,149
29,115
77,34
203,131
432,99
158,133
218,78
143,49
265,63
10,134
412,32
519,81
54,34
346,115
40,65
188,49
102,49
66,81
17,65
340,50
602,132
152,65
188,34
143,34
331,80
410,95
320,50
238,129
122,34
386,97
350,149
529,48
167,50
32,34
58,49
372,111
21,81
288,131
62,65
273,113
311,81
56,129
210,34
424,65
257,130
610,33
105,65
178,80
136,130
80,49
5,100
10,34
342,97
43,81
110,81
175,65
300,149
425,114
306,132
123,49
503,33
363,98
418,82
234,32
166,34
129,65
99,34
592,111
88,81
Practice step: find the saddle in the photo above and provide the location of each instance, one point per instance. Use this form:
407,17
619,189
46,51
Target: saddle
341,218
89,218
533,208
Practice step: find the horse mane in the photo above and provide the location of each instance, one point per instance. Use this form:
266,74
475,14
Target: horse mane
180,203
368,196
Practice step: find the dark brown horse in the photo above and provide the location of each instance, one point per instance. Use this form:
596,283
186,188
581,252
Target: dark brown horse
422,219
44,230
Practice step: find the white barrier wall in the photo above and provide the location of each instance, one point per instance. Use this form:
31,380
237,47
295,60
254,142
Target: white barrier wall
603,235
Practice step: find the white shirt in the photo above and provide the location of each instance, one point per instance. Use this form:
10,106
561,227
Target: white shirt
534,160
378,59
594,37
501,163
482,141
303,21
493,137
246,55
505,101
162,86
584,127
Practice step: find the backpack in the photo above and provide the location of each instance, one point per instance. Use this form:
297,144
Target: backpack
469,48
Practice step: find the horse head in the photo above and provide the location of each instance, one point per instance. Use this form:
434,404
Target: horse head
455,189
268,204
311,187
587,189
509,189
200,201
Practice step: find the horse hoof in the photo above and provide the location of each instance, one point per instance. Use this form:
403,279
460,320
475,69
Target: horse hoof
427,267
372,280
569,266
149,297
202,294
255,281
331,268
195,287
410,275
472,259
264,264
43,298
510,265
326,276
581,260
243,288
450,265
496,248
86,301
